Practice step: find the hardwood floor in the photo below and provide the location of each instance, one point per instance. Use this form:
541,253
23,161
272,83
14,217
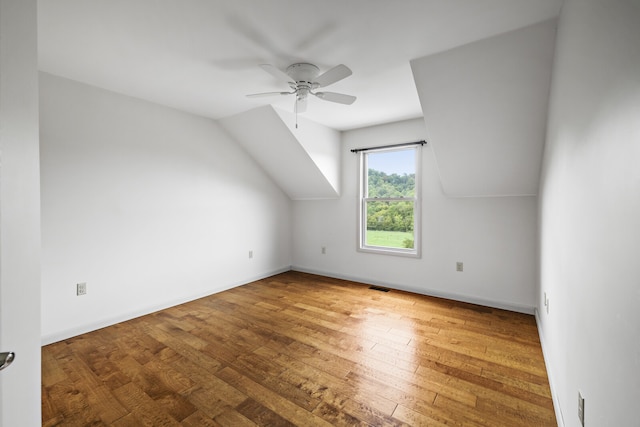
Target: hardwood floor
299,349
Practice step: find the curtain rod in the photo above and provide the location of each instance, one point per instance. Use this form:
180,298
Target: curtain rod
404,144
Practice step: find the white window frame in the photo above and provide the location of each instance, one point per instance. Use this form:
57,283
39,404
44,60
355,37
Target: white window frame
363,198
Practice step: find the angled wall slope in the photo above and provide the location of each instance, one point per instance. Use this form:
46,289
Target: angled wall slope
485,107
304,162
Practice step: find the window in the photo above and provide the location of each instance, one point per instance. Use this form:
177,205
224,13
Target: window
389,212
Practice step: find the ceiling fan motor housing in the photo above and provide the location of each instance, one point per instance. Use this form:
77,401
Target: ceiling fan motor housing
303,74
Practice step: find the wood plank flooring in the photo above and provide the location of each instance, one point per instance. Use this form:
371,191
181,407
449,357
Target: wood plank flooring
304,350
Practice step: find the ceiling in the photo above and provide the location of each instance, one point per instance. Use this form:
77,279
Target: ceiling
202,56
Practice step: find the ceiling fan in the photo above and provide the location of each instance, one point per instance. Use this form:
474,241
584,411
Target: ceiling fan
304,79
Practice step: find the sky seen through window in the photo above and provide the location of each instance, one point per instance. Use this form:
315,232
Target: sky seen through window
399,162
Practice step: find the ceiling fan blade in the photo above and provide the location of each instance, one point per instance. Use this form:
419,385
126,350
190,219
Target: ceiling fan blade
315,37
301,105
335,74
265,94
340,98
248,29
280,75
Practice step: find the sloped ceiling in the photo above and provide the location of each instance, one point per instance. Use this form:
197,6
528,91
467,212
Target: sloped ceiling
485,109
202,56
304,164
482,102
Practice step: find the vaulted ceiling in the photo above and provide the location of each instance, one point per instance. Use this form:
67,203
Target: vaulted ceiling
203,56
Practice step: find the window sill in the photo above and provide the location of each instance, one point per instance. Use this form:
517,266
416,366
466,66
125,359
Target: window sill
389,251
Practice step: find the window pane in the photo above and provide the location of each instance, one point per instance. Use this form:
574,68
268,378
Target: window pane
390,224
391,173
389,219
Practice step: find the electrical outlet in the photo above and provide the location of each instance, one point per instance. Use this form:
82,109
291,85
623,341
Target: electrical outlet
546,302
250,254
324,250
459,266
581,408
81,289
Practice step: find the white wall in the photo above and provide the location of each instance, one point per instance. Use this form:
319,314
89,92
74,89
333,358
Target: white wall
294,161
147,205
485,108
494,237
590,215
19,214
321,143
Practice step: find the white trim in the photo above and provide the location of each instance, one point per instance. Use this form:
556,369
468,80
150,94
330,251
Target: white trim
554,394
72,332
502,305
381,250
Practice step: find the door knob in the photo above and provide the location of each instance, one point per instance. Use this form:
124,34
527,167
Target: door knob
6,359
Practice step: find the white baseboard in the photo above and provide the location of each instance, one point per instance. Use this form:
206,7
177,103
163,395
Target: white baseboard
503,305
103,323
554,394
